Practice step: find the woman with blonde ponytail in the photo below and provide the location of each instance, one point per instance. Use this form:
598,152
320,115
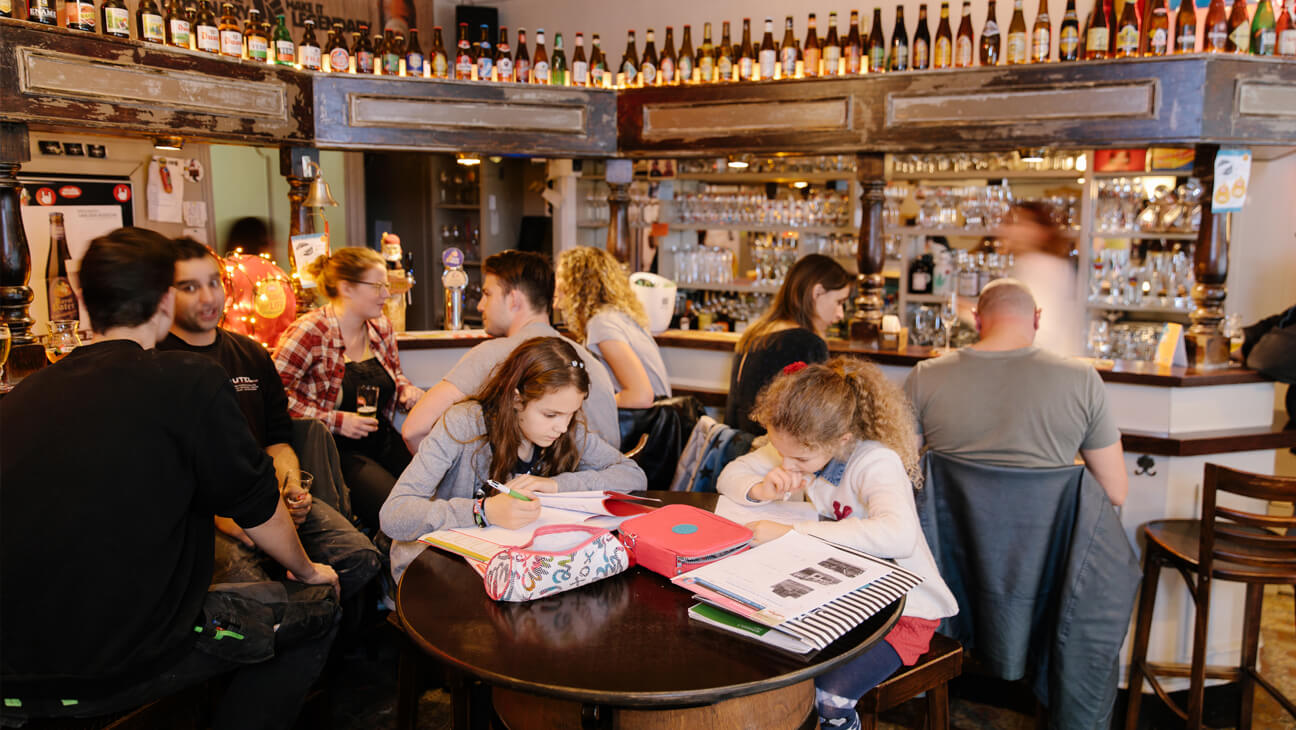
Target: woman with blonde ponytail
854,456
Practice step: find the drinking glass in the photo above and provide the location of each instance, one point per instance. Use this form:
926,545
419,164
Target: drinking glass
367,401
949,317
4,351
62,339
924,326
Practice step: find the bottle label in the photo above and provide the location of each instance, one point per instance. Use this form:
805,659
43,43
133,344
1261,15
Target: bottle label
990,28
1016,50
648,71
522,70
1040,43
484,66
853,57
463,67
43,13
364,62
667,71
258,49
85,15
630,71
231,43
1127,40
900,58
117,22
309,57
1241,36
686,70
1068,42
285,52
788,57
154,30
580,72
208,38
920,58
964,57
724,69
1264,42
597,75
6,8
540,72
832,60
941,53
504,69
1287,42
706,69
1158,41
768,60
746,68
62,300
180,32
811,65
877,58
1187,42
339,60
1216,37
1096,39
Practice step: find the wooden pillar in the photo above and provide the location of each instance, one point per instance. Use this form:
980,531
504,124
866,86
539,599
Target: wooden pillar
26,355
870,172
620,173
1206,345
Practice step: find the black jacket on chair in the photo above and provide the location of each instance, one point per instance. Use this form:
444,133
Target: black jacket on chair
1044,575
668,423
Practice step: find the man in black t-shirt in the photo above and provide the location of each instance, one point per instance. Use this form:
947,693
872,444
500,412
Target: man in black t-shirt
113,463
327,535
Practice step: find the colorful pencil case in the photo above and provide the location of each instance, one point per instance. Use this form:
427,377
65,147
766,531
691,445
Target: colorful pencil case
678,538
558,558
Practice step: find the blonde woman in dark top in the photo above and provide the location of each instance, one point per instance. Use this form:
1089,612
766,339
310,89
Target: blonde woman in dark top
793,330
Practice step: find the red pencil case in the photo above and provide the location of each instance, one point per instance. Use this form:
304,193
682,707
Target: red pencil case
678,538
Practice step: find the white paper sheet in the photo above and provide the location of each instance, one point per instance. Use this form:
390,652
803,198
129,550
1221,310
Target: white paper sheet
785,512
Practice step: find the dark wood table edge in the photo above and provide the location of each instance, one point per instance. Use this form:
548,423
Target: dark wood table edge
1204,443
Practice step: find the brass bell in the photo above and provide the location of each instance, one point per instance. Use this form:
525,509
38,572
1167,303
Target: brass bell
319,194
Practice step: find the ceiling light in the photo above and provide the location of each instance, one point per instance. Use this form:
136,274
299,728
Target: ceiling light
800,184
168,143
738,163
468,159
1032,154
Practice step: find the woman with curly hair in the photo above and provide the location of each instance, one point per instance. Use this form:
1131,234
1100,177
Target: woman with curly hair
603,314
854,456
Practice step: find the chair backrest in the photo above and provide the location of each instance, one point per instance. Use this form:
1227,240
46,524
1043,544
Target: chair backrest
655,436
1249,538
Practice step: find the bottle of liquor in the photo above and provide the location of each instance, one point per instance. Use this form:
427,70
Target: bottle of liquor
1285,30
256,44
898,58
363,50
812,54
1127,32
686,63
148,22
522,60
920,57
268,32
42,11
540,60
558,71
81,15
1185,28
630,60
284,49
203,32
1215,35
789,50
768,53
1098,34
485,53
990,39
579,66
832,52
464,62
1264,35
650,64
337,53
413,54
706,57
1018,44
1156,35
1041,35
231,38
877,49
60,296
964,42
747,52
504,57
725,56
115,19
1069,34
943,49
854,48
598,65
667,67
1239,29
393,50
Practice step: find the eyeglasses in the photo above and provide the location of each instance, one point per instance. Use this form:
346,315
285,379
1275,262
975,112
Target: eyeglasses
380,286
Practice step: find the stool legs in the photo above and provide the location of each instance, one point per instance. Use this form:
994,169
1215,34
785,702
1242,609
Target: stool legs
938,707
1250,650
1197,673
1142,629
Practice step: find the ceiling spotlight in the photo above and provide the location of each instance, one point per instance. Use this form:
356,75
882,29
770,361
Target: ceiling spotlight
168,143
468,159
1032,154
800,184
738,163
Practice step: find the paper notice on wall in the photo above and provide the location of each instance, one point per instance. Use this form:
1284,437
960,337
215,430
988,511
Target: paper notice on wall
165,191
195,212
306,248
1232,172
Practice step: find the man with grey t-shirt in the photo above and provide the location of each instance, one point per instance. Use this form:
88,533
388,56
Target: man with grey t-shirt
1005,402
517,299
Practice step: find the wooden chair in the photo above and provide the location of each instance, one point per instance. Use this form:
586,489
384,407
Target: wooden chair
184,710
1225,544
931,674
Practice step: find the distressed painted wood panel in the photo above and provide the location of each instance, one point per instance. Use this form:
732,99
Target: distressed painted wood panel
1251,100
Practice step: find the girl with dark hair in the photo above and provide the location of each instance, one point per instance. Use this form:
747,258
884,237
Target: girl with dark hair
793,329
524,429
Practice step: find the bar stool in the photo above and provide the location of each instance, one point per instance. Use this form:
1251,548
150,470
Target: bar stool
1225,544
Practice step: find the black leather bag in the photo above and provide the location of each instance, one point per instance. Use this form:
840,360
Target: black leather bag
668,423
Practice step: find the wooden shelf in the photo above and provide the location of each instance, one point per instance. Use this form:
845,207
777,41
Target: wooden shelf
973,175
474,207
1137,308
743,178
758,228
957,232
1142,236
593,224
926,298
745,287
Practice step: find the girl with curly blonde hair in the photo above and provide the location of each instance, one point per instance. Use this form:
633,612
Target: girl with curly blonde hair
604,315
842,437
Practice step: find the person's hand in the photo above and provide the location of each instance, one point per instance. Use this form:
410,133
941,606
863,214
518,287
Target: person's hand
231,528
766,530
319,575
410,397
298,501
531,483
356,426
777,484
510,512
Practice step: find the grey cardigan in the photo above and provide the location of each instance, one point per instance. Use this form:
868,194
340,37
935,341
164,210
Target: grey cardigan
435,491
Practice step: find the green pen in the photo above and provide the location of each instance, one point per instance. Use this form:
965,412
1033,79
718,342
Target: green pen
515,494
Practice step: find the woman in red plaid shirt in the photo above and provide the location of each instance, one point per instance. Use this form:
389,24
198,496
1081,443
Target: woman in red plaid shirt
327,356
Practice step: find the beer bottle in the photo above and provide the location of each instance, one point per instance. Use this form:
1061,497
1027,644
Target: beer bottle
257,45
115,19
268,32
579,66
413,54
598,65
990,44
522,60
898,59
630,60
964,42
1156,37
339,56
558,71
854,48
666,73
1185,28
812,54
485,53
1069,34
1098,35
59,294
43,12
1215,34
943,50
1264,36
80,15
877,50
540,60
503,57
363,51
706,56
284,49
1042,35
231,38
148,22
832,51
1239,29
768,53
1285,30
206,34
649,64
789,50
393,51
1127,32
464,62
379,47
920,56
686,63
747,53
1017,49
725,56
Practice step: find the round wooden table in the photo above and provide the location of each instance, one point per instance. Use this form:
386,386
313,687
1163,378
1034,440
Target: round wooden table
621,650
